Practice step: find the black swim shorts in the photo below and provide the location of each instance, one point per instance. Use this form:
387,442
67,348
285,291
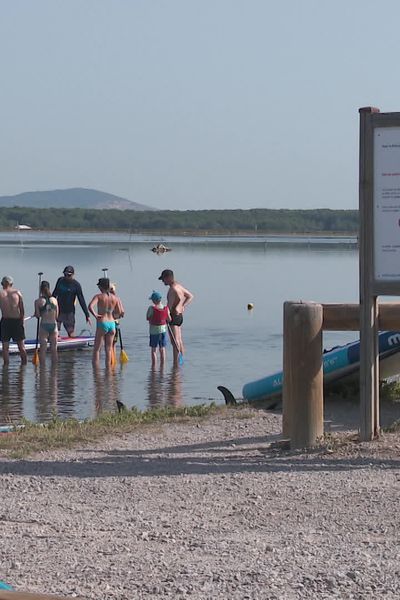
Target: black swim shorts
12,329
177,320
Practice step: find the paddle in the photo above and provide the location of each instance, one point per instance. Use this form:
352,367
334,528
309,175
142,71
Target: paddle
123,357
180,355
35,358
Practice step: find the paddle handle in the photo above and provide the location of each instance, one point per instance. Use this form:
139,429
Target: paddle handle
173,338
120,339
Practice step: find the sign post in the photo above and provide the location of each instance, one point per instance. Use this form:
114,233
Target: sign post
379,238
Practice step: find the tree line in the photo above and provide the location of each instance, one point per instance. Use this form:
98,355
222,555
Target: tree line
260,220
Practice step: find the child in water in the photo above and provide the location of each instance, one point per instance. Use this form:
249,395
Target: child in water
157,316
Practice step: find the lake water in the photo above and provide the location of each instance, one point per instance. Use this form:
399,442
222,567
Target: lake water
225,343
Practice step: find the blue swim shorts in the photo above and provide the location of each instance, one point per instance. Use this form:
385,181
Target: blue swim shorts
106,326
158,340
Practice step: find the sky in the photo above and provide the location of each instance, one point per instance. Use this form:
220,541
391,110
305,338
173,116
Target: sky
191,104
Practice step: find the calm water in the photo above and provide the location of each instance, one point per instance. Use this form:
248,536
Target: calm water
225,343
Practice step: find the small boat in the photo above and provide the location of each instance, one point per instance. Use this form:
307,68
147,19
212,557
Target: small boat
160,249
64,343
23,227
338,362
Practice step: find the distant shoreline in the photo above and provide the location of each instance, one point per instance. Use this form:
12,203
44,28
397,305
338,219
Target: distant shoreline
196,233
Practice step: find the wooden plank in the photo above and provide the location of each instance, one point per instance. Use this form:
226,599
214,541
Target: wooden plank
346,317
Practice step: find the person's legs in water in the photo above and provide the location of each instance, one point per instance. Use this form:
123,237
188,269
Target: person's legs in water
154,338
98,340
53,345
68,320
43,336
162,355
22,352
154,356
5,352
108,343
162,344
177,333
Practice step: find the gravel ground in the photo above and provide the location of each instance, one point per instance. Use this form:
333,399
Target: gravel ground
204,510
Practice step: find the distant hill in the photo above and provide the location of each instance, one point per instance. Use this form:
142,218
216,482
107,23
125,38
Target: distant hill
71,198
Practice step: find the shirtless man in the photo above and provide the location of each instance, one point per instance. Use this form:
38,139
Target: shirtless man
178,298
12,319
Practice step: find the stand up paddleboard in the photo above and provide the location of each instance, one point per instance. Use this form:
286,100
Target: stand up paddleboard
337,363
63,343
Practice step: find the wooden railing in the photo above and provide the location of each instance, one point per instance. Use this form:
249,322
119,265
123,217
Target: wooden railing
303,323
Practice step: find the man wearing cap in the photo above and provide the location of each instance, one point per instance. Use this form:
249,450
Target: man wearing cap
66,291
12,319
178,298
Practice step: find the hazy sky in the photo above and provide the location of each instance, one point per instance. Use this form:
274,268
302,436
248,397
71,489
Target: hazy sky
194,103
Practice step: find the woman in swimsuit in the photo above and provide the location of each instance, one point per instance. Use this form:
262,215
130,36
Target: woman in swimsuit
46,309
106,303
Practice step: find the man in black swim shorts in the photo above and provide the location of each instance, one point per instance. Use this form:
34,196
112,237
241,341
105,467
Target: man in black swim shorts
178,298
12,319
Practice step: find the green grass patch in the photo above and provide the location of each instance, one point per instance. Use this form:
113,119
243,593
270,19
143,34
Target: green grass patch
393,428
58,433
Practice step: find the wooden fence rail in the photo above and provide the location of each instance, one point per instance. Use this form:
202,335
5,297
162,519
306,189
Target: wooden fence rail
303,323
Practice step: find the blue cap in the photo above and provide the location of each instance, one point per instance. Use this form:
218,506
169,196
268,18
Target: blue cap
155,297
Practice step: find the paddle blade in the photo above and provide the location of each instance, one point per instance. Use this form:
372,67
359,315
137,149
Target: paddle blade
123,357
35,358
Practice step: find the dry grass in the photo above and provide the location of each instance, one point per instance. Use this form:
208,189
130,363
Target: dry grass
59,433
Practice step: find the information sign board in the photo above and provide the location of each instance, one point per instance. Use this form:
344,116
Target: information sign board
386,203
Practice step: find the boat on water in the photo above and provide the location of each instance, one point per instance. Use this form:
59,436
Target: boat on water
160,249
339,362
64,343
22,227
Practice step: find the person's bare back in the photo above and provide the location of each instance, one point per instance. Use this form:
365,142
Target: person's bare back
178,297
11,304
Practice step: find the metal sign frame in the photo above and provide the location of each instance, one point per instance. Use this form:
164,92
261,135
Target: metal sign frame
370,286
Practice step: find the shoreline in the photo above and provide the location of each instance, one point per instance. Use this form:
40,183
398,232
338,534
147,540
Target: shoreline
204,508
195,233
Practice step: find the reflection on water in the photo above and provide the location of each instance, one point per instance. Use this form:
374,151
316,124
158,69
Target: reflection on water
70,388
164,388
106,388
46,391
12,392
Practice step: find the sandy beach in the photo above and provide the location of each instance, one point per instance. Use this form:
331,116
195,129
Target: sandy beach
205,509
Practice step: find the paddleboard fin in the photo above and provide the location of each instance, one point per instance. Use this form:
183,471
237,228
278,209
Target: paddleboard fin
227,394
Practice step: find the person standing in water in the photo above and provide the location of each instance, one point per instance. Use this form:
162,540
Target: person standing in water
66,291
178,298
106,304
12,319
46,309
157,316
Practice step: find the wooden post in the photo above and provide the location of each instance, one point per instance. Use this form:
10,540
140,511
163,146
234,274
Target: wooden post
303,378
369,363
286,386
